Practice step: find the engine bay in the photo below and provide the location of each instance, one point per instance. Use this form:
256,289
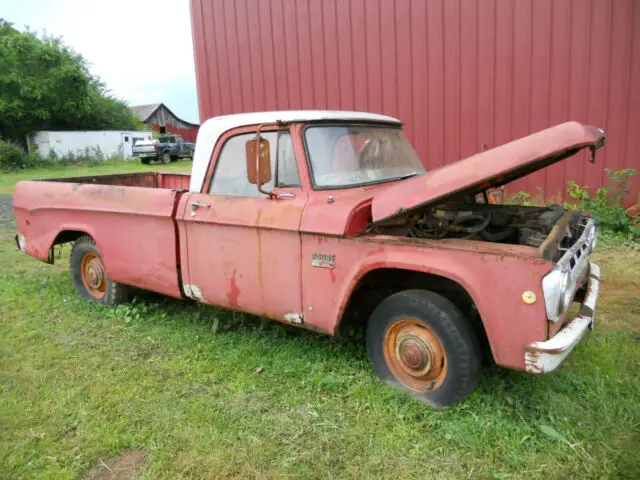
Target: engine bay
511,224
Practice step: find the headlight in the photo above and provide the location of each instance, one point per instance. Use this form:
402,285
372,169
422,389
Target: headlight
555,286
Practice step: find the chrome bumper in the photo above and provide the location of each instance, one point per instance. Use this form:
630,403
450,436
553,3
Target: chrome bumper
544,357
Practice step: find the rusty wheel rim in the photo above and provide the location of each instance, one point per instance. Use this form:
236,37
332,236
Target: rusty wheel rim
94,276
415,355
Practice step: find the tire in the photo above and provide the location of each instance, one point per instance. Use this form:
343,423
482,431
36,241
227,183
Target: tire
420,342
145,161
94,284
166,158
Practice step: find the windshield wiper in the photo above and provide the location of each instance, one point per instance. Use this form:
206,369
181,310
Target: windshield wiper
406,175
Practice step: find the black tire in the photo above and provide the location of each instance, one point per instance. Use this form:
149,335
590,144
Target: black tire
416,315
166,158
108,292
145,160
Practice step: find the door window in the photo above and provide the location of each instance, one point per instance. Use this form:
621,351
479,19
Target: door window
287,166
230,175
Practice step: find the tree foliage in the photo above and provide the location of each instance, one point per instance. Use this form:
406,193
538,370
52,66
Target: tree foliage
45,85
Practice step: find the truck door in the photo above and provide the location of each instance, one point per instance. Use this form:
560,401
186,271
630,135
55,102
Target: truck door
243,248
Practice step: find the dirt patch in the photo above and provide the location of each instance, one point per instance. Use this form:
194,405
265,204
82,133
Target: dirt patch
124,466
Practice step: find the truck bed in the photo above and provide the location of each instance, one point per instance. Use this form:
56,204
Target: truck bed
131,218
176,181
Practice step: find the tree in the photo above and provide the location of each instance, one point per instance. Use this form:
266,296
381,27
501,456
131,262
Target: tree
45,85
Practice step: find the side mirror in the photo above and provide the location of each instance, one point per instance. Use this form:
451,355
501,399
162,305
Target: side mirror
258,161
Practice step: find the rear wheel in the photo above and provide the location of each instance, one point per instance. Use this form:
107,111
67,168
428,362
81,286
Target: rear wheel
420,342
166,158
145,160
90,277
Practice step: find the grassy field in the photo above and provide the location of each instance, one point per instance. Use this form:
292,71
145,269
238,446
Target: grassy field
167,389
8,180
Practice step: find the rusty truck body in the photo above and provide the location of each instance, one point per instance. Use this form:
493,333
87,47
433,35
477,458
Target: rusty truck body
320,218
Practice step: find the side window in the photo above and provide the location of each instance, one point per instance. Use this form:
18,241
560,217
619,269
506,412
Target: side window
230,175
287,166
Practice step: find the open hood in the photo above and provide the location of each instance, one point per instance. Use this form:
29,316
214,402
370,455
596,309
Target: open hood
488,169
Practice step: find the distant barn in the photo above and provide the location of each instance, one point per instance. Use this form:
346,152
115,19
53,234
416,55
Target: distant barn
162,120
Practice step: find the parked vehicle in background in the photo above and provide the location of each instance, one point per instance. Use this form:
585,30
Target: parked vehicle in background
317,219
166,148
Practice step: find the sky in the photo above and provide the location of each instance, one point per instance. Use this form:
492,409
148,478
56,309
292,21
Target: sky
142,49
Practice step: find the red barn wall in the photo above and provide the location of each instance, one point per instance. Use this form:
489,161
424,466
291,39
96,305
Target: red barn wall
460,73
189,134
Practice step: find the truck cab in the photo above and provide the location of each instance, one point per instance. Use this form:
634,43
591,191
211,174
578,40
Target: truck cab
320,219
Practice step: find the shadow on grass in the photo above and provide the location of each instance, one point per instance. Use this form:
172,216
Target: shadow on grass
499,386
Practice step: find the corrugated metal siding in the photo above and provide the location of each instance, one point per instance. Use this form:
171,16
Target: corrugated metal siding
188,134
460,73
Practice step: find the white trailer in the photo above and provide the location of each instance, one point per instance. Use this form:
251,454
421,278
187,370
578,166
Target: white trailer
104,144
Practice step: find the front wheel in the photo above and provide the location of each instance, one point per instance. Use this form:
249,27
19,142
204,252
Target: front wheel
90,277
421,342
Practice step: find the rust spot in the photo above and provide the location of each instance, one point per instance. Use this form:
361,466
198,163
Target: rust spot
234,291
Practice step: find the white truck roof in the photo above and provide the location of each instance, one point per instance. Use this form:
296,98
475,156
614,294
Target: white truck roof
214,128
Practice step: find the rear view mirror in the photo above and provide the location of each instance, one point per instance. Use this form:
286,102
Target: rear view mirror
258,161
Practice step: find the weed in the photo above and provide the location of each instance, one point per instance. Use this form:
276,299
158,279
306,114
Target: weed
521,198
607,205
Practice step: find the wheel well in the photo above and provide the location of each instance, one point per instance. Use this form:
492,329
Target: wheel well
66,236
378,284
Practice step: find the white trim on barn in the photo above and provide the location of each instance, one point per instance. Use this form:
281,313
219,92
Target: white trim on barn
101,144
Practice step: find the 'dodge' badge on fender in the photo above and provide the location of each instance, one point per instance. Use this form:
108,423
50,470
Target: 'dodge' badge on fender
323,260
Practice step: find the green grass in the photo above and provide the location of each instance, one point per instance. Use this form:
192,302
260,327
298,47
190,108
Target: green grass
81,382
8,180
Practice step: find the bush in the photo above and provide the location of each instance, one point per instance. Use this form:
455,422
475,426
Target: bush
13,157
607,205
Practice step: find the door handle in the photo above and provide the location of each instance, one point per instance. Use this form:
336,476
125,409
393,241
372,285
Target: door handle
196,205
286,195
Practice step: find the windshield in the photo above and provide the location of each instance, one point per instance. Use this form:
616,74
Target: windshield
343,156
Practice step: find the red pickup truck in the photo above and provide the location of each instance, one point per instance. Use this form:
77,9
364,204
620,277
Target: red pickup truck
320,218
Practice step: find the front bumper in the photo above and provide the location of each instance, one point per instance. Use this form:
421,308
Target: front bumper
544,357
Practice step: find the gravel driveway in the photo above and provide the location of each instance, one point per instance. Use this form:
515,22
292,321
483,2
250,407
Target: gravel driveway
7,220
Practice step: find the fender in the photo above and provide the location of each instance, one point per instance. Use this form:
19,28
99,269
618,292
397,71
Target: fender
482,273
